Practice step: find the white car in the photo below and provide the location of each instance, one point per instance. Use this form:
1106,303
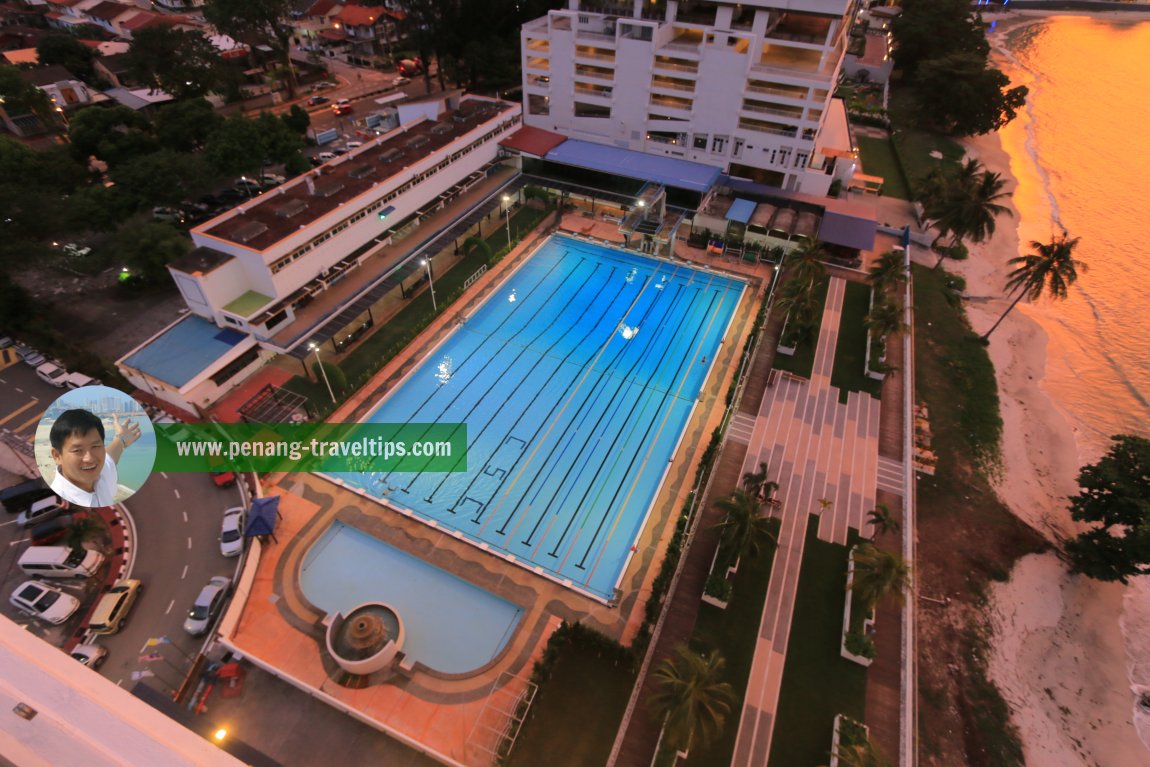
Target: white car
44,602
207,605
52,374
232,532
271,179
354,144
91,655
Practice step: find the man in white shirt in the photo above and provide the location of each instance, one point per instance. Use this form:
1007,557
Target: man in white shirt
85,469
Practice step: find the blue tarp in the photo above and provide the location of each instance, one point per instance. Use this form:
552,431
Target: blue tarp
668,171
262,516
741,211
184,350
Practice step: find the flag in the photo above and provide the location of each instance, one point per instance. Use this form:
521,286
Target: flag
906,236
138,675
150,657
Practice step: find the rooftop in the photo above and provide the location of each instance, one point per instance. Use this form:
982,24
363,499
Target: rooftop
285,210
184,350
533,141
360,15
669,171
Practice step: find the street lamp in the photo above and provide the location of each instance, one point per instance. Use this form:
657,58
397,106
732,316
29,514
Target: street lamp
319,362
431,284
507,212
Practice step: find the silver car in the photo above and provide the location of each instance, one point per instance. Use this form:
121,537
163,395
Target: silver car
44,602
207,605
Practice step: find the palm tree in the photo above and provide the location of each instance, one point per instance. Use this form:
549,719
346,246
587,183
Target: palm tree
865,754
80,531
967,204
691,698
889,269
1051,269
805,262
882,521
757,484
879,574
884,319
745,530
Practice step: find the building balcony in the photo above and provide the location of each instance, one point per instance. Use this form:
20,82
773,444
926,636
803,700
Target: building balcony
539,64
583,53
775,129
595,91
538,46
794,93
675,66
595,37
595,73
792,114
675,86
675,107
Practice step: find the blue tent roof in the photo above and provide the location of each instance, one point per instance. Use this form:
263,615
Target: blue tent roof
741,211
262,516
184,350
669,171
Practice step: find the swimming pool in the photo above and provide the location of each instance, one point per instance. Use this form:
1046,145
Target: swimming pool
451,625
576,379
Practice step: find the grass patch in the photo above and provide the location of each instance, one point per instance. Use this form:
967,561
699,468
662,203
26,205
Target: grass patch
734,632
953,367
802,362
818,682
577,712
914,146
878,159
850,353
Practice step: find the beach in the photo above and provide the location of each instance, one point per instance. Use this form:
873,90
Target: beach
1059,655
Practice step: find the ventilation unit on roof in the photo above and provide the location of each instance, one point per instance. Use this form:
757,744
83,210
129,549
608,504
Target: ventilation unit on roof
328,188
291,208
391,155
441,128
418,141
361,171
249,231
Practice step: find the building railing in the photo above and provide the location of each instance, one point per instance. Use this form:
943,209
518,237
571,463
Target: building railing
771,111
757,126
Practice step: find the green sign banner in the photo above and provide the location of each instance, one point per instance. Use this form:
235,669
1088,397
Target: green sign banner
322,447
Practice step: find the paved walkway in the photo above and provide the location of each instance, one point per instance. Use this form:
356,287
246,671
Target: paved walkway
824,455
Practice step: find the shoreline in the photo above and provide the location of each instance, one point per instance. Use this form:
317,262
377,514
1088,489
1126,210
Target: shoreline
1058,651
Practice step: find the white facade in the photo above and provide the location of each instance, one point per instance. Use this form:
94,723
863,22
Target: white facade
743,87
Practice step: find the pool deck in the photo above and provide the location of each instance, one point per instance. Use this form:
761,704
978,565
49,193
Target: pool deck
456,719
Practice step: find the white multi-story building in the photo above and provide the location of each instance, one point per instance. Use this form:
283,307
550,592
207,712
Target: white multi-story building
741,86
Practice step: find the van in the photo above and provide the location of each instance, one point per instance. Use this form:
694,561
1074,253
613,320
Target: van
40,511
52,530
60,562
18,497
76,380
112,610
326,156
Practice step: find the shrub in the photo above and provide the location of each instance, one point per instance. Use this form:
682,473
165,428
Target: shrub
860,644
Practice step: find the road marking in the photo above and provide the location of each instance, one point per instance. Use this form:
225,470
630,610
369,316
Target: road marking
18,411
170,606
9,522
189,543
119,682
185,575
185,515
177,492
164,474
19,389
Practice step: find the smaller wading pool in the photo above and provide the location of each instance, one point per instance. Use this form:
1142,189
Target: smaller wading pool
451,626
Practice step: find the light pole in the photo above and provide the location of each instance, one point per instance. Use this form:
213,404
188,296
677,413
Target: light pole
507,212
319,362
431,284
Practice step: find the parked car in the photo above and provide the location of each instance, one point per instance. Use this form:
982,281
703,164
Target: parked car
315,101
5,342
410,67
91,655
19,497
112,610
44,602
60,562
52,530
30,356
170,215
78,380
341,107
207,605
247,185
232,532
221,473
269,180
353,144
326,156
40,511
51,374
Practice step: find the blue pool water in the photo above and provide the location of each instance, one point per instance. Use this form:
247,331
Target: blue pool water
451,625
576,379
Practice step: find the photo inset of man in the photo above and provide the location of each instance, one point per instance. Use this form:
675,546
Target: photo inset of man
86,472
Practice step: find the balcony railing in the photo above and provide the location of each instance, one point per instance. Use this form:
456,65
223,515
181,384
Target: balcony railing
584,54
755,125
681,87
790,115
667,102
672,67
597,91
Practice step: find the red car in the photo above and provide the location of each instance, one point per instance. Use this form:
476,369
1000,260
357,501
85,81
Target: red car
221,474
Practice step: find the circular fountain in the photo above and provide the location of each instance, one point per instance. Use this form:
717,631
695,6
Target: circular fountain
366,640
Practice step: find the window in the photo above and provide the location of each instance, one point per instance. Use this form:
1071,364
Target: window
700,141
719,144
737,150
230,370
591,110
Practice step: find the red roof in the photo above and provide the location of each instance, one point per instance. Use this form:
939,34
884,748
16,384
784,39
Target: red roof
360,15
321,8
108,10
533,141
332,34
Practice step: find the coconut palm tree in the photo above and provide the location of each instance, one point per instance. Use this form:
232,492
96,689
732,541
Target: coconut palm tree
882,521
865,754
82,530
691,697
805,262
884,319
1050,269
757,484
879,574
967,204
889,269
745,530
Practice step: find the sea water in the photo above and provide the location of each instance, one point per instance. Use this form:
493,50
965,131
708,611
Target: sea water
1081,153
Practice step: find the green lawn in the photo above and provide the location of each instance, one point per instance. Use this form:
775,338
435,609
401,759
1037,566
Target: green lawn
818,682
734,632
914,146
803,360
878,159
575,717
850,354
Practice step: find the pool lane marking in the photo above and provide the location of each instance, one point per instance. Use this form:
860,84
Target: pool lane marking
648,394
570,397
523,349
616,401
619,516
18,411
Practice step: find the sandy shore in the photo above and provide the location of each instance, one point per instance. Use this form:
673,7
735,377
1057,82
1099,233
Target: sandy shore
1059,654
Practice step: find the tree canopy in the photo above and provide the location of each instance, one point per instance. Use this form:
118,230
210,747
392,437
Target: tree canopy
256,22
182,63
917,31
21,96
1114,498
112,134
147,248
68,52
960,94
184,126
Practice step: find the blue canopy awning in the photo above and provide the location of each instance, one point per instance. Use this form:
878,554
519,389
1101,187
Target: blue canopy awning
262,516
741,211
668,171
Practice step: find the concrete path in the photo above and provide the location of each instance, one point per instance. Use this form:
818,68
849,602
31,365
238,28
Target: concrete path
824,455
